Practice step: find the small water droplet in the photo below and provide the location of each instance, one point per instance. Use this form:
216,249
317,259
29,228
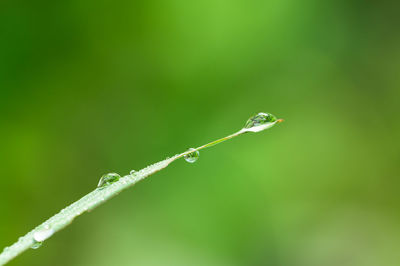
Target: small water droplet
260,122
36,245
132,172
108,179
193,156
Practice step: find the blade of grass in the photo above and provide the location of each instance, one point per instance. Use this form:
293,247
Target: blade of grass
100,195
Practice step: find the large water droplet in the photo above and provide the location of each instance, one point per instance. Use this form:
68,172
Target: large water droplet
260,119
108,179
132,172
260,122
193,156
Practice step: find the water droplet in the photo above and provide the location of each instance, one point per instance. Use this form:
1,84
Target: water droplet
132,172
108,179
193,156
36,245
260,122
43,234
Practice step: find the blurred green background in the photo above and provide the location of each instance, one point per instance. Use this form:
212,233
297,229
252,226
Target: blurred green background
90,87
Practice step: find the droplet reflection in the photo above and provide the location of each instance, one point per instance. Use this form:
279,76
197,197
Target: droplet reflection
193,156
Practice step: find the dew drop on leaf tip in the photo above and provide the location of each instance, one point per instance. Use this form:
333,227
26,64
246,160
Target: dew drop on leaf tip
260,122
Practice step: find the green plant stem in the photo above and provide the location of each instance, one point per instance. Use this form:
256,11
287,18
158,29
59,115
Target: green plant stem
212,143
92,200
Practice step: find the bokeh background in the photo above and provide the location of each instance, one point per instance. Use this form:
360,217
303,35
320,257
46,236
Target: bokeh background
90,87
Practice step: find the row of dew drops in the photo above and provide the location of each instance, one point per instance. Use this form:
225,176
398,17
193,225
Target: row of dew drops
261,119
110,178
40,236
